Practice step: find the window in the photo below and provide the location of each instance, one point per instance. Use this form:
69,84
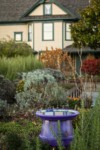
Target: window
47,9
29,32
48,31
68,31
18,36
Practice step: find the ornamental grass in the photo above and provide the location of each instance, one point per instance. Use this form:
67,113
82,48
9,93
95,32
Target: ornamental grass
10,67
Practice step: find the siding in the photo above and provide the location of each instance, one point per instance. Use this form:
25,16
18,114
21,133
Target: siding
55,11
41,45
7,31
36,43
37,11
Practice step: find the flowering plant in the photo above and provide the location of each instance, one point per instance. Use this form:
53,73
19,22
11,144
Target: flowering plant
74,102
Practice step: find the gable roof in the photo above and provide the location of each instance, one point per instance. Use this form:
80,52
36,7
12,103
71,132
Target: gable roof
13,10
75,6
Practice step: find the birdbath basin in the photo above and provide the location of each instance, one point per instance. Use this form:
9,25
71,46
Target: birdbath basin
57,123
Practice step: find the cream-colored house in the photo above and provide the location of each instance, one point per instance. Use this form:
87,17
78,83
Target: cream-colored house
40,23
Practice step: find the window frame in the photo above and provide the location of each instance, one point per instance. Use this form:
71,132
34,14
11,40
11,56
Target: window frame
44,12
21,34
66,31
43,39
29,39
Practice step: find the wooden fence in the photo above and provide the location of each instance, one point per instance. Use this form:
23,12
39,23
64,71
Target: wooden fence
75,91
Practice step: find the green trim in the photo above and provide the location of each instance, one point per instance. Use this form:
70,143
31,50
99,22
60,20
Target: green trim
62,35
52,19
13,22
38,20
21,33
44,8
67,32
43,31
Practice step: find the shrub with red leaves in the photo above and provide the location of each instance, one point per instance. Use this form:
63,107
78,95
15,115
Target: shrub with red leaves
91,66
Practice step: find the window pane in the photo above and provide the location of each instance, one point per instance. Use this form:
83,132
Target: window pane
47,9
18,37
68,31
47,27
48,31
30,36
47,36
30,28
29,32
68,35
68,27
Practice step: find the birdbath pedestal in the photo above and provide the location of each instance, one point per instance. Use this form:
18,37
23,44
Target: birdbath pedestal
57,125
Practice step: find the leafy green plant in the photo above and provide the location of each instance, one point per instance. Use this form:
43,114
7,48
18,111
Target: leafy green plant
86,32
15,136
11,49
74,102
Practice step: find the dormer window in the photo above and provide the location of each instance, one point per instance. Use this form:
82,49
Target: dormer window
47,9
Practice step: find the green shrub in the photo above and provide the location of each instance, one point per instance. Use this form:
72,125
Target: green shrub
18,136
11,49
21,135
10,67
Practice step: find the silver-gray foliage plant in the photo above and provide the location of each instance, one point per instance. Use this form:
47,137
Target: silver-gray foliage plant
39,86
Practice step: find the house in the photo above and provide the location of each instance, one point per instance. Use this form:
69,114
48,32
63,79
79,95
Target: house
40,23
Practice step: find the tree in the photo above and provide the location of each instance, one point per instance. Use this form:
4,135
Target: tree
86,32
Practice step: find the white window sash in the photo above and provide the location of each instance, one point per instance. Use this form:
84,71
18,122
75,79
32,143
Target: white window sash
30,32
47,9
68,31
48,31
18,37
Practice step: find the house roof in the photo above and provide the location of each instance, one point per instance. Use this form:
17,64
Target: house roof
15,10
71,49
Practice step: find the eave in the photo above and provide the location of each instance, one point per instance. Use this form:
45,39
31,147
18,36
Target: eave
26,20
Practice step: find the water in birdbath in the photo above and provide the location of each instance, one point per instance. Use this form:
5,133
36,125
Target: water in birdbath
56,112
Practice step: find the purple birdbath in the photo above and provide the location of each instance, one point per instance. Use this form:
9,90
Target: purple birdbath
57,123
